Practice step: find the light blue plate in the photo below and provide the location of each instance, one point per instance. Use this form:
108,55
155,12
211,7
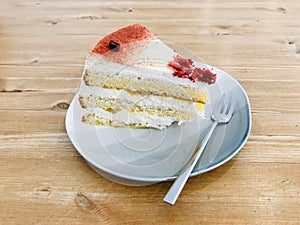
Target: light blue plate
147,156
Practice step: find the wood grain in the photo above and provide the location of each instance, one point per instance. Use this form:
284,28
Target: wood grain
43,45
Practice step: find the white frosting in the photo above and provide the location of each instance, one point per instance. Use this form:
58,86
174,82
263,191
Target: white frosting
151,63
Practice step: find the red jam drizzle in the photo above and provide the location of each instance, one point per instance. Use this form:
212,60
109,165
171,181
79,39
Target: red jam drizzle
184,68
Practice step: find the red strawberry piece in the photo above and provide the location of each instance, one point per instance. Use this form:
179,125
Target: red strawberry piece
175,65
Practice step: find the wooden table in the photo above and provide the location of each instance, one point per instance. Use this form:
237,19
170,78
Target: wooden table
43,45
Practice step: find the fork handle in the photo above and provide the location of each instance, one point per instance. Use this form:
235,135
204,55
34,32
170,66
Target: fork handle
185,173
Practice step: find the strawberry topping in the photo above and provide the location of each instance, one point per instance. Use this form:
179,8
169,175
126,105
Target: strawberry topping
184,68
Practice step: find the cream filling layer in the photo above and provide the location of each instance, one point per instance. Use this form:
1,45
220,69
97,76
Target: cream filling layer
130,118
146,101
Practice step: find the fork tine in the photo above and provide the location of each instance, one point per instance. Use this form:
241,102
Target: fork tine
219,106
226,103
231,109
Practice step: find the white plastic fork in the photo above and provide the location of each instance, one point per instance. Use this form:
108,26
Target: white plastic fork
221,114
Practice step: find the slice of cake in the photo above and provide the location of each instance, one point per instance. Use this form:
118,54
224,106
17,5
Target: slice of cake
132,79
